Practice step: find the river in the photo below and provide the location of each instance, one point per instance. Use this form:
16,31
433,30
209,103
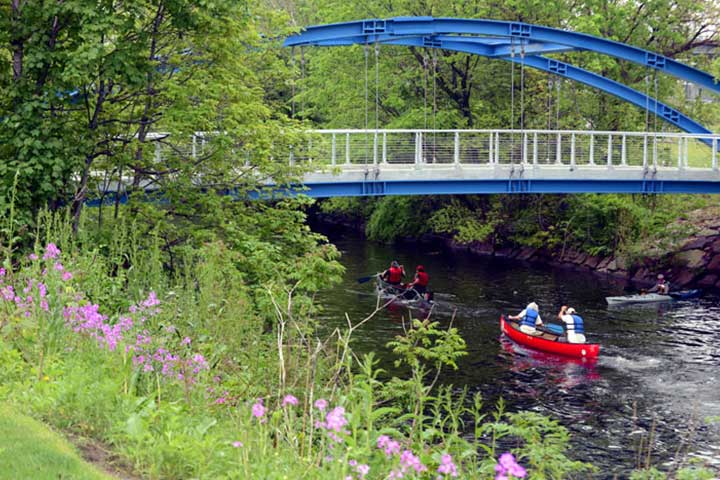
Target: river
659,365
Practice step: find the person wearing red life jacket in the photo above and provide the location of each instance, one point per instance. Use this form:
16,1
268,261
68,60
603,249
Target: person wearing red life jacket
421,280
394,274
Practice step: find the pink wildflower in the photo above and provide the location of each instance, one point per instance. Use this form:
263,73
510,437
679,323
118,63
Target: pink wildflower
51,251
363,470
321,404
507,465
66,276
447,467
408,461
58,266
258,410
335,420
186,341
289,400
33,257
389,446
237,444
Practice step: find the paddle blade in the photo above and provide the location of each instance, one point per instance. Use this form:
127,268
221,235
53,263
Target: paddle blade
366,279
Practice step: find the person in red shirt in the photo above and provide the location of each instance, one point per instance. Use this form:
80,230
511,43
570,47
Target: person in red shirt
421,280
394,274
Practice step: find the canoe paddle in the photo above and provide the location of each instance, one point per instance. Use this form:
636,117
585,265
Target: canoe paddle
367,279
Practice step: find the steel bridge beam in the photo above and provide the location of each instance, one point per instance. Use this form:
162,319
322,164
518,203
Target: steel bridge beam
369,30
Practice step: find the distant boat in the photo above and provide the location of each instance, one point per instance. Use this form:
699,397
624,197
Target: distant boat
653,297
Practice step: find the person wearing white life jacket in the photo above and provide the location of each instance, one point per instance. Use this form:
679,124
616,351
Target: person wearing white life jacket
662,287
529,318
574,328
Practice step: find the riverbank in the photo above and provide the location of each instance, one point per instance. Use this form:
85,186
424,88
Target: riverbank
689,258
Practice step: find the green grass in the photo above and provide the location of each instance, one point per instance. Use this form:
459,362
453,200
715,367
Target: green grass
29,449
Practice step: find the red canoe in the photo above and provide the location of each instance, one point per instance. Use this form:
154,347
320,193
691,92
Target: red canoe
577,350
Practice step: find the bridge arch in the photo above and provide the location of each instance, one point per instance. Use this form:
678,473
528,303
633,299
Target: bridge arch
496,38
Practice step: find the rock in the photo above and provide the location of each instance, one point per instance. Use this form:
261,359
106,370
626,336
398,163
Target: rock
708,280
691,259
683,278
603,264
716,246
641,275
612,266
714,264
696,243
525,253
591,262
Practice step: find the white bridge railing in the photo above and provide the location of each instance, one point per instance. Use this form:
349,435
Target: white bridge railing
495,147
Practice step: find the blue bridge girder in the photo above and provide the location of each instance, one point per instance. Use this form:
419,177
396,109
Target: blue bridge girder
362,31
499,39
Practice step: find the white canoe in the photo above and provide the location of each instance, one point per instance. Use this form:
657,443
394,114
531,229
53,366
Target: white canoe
646,298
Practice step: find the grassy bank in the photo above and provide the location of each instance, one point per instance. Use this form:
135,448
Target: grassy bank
29,449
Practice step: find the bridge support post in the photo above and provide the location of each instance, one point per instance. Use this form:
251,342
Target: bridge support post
456,149
680,153
623,151
572,152
609,155
558,149
715,154
347,149
535,150
685,153
384,148
375,148
497,148
194,146
524,148
491,142
645,151
333,153
592,149
418,149
655,152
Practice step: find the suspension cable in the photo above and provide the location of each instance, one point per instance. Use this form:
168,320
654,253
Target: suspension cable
377,86
292,84
302,80
522,86
434,100
512,83
557,116
425,88
647,101
366,103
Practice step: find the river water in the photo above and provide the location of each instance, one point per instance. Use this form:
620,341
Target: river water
659,365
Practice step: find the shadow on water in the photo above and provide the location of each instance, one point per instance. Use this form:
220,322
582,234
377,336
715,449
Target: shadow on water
658,366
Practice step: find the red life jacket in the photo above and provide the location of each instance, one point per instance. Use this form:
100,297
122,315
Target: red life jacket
422,279
394,275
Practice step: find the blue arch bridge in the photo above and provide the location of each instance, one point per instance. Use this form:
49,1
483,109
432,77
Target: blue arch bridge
405,162
371,162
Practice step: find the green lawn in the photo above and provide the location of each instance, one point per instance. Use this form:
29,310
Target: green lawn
29,449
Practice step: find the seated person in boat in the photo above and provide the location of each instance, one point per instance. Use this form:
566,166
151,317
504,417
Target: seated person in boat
420,282
394,274
573,324
529,318
662,287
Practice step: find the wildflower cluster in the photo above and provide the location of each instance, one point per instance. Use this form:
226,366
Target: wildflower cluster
409,462
334,423
508,468
361,469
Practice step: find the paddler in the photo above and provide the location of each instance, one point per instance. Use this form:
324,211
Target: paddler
573,324
662,287
529,319
394,274
421,280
